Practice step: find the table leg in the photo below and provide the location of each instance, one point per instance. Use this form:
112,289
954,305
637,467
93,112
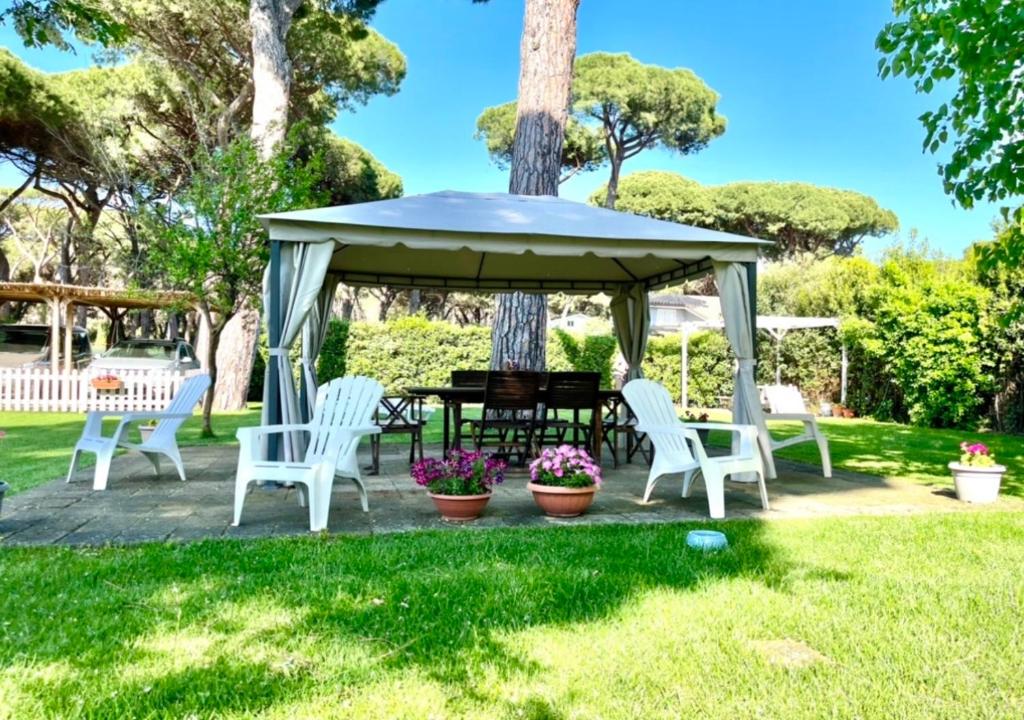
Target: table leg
445,405
457,415
598,417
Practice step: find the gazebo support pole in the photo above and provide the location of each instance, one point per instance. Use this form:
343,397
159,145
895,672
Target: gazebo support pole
274,340
69,337
686,366
844,364
55,336
752,292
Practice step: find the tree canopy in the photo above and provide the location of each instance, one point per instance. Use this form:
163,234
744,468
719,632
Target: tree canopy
798,217
620,107
978,47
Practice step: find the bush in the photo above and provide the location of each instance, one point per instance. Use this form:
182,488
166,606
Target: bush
592,353
710,366
331,363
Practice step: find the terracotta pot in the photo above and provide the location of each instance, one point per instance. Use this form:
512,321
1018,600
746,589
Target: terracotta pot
562,501
460,508
977,484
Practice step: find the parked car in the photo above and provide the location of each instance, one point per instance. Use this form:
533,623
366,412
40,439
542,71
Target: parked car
146,354
29,346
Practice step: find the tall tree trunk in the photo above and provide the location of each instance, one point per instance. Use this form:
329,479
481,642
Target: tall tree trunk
415,300
213,338
546,54
613,180
269,22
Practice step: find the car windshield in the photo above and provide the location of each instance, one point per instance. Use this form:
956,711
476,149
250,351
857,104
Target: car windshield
151,351
14,340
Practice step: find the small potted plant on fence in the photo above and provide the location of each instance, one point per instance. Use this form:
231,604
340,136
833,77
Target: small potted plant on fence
563,481
702,433
976,475
461,485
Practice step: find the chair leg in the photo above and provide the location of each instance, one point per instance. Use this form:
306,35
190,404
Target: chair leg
652,480
103,458
320,490
241,490
154,459
826,458
363,500
715,486
375,454
74,463
763,488
175,455
688,478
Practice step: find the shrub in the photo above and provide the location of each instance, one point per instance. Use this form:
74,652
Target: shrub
593,353
710,366
331,363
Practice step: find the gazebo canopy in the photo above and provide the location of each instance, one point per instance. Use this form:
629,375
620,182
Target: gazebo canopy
494,242
498,242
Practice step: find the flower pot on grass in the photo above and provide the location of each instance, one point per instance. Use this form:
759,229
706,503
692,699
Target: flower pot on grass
563,481
461,485
976,476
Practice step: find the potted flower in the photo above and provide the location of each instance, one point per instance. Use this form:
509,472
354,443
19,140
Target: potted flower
702,433
563,481
461,485
106,382
976,475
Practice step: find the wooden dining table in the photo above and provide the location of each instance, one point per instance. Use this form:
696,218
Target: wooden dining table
454,397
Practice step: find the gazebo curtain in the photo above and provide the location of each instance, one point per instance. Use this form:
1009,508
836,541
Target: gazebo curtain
302,271
631,313
734,293
314,331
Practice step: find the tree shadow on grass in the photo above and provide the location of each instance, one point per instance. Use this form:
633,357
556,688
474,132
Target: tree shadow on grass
437,603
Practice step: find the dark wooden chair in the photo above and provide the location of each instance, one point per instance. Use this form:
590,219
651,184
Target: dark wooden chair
466,378
571,393
395,415
619,421
509,419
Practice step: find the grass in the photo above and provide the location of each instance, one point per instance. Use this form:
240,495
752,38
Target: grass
42,444
917,617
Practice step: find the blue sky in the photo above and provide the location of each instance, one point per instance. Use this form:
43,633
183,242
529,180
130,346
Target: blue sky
797,80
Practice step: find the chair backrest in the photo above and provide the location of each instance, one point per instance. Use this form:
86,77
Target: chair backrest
190,393
512,390
785,399
656,415
345,402
469,378
572,390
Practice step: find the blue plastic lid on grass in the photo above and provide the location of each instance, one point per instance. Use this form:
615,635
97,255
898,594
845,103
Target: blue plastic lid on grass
706,540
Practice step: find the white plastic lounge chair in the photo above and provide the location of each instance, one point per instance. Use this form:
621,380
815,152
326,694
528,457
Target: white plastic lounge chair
162,441
786,403
343,414
656,416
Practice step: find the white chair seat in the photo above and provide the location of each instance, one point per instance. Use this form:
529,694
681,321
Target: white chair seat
787,405
162,441
678,449
342,416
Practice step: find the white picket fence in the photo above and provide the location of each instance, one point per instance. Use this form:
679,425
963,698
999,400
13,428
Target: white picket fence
41,390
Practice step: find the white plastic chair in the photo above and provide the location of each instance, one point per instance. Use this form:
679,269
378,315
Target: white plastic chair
786,403
162,441
656,416
343,415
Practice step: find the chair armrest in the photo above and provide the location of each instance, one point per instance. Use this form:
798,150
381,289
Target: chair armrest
797,417
363,430
261,430
136,416
678,429
728,427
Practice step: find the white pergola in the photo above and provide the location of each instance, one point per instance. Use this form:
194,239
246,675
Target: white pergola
480,242
778,326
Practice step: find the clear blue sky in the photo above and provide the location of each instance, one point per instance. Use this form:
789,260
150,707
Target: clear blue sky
797,81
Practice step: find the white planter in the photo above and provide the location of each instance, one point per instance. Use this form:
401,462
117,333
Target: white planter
145,431
977,484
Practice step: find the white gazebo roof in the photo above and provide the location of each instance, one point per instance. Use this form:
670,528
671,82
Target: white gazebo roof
498,242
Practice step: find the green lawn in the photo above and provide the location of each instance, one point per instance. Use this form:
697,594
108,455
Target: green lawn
40,444
910,617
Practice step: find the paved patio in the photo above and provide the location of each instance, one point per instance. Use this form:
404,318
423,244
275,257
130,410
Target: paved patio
138,507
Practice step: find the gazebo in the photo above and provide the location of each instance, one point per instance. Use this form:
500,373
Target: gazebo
480,242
